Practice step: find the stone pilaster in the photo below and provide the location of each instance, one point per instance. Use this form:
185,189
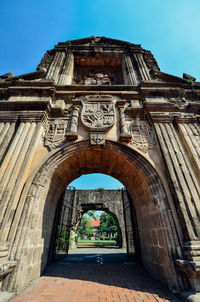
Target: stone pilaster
130,72
73,134
6,133
9,161
124,135
189,133
56,66
144,73
183,179
185,185
16,172
67,70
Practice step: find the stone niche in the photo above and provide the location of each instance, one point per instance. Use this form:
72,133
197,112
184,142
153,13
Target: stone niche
97,70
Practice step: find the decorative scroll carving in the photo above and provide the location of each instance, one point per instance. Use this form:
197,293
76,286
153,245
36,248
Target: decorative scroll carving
150,60
180,102
46,60
142,134
55,133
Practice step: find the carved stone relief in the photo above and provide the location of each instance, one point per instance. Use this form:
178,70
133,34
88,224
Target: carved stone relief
150,60
142,133
98,115
46,60
98,77
97,138
55,132
180,102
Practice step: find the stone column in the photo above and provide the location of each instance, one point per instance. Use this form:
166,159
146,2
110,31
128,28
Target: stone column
56,66
3,130
124,135
12,169
72,134
129,71
67,71
6,133
10,160
144,73
189,132
185,189
15,175
183,178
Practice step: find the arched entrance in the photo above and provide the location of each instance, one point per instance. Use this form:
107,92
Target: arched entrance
75,202
157,227
96,233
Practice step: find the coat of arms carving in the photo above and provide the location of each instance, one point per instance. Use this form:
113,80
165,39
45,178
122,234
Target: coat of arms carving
142,133
98,115
55,132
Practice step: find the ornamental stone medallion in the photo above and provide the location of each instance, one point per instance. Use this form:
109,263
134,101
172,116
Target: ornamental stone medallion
98,115
141,132
55,132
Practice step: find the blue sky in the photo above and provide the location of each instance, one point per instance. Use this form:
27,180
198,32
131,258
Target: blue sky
95,181
170,29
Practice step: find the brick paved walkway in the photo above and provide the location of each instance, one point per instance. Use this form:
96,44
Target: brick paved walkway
95,278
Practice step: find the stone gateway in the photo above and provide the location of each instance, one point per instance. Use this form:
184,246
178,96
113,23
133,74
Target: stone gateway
99,105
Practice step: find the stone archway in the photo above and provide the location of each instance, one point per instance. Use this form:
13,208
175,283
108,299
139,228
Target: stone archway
75,202
157,221
120,243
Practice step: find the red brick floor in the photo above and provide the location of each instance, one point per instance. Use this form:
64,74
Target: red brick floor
92,282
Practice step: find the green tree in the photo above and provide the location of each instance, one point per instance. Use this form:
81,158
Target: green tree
85,228
108,225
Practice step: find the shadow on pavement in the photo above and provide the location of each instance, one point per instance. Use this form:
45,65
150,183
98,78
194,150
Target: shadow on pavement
112,269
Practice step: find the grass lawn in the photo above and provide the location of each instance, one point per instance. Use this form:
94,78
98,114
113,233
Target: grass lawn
97,241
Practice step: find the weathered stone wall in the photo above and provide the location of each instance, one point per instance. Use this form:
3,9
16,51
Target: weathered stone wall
110,201
130,224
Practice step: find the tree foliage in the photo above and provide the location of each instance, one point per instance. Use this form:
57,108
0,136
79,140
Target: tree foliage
107,224
85,228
